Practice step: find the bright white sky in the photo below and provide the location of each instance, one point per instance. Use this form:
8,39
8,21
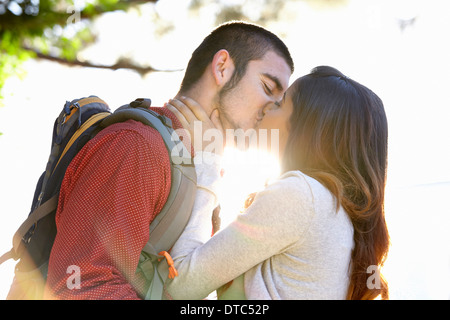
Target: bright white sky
408,70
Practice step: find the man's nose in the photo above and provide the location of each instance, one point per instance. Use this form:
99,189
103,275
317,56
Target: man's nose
267,107
261,113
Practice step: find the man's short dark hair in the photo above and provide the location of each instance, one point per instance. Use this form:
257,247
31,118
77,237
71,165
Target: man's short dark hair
243,41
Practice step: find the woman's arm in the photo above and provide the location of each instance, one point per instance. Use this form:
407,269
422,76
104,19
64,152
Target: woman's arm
199,228
268,227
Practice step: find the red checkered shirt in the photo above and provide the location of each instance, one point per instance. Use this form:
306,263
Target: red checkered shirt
111,192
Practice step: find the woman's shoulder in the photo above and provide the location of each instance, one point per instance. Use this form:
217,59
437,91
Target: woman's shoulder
299,181
321,200
295,191
293,186
307,188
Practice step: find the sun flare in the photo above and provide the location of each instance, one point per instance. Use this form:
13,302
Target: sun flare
245,172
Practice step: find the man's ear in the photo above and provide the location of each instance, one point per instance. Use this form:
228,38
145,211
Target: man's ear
222,67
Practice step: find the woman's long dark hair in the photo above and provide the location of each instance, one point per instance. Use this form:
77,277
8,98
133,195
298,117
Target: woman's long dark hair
338,135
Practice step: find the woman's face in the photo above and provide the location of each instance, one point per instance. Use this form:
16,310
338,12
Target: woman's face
275,124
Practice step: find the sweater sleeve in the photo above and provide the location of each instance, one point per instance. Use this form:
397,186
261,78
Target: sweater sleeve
111,192
269,226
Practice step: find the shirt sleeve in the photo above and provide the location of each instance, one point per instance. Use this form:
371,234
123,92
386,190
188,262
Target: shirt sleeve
270,225
111,192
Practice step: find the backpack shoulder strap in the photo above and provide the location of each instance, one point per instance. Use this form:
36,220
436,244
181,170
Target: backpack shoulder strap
39,213
168,225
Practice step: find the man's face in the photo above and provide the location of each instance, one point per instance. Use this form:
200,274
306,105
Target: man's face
264,83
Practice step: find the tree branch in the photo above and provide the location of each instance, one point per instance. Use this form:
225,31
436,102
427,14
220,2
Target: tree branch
122,63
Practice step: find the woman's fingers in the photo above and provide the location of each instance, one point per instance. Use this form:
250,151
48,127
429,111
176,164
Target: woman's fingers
178,114
215,119
184,109
195,108
192,111
189,112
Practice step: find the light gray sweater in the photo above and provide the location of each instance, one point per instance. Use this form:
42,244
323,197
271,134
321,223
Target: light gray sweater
289,244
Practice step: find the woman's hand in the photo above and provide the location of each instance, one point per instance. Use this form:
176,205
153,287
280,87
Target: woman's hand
205,130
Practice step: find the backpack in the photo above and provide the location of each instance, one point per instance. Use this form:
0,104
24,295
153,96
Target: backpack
79,121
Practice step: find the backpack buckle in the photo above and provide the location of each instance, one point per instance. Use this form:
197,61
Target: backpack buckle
172,271
141,102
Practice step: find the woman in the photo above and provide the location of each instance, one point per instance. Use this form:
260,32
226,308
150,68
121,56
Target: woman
319,231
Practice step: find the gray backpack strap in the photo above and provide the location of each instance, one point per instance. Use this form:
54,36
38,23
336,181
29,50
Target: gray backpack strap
168,225
166,228
39,213
155,272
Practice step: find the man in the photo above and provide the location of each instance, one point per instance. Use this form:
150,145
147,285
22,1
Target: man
120,180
